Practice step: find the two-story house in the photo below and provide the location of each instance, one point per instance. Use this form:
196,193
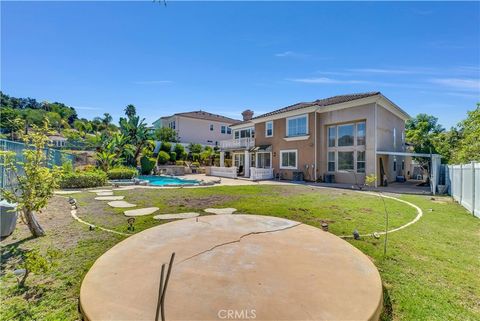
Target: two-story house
198,127
341,138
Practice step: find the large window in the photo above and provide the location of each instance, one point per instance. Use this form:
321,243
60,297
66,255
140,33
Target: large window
288,159
332,136
223,129
244,133
171,124
360,161
345,161
297,126
264,160
345,135
360,134
229,130
269,129
331,161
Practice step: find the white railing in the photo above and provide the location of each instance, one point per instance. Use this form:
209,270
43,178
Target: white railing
237,143
465,185
261,173
230,172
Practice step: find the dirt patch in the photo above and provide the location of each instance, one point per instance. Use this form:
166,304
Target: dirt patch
55,220
201,202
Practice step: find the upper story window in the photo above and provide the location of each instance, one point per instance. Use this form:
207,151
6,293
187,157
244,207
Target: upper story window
297,126
244,133
332,136
229,130
361,133
345,135
269,129
171,124
223,129
211,127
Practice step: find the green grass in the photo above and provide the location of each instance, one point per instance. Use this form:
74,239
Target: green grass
430,271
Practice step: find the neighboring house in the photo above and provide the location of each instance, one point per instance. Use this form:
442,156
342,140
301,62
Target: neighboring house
343,138
198,127
57,141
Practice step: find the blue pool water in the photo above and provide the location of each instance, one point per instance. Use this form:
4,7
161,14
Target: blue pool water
167,180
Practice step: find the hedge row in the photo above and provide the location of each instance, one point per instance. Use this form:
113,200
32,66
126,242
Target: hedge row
122,173
83,179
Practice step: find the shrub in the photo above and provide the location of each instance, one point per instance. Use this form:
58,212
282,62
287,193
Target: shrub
163,157
122,172
196,164
173,156
83,179
180,163
147,164
180,150
166,147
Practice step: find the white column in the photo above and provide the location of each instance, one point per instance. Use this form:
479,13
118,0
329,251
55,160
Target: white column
247,164
222,159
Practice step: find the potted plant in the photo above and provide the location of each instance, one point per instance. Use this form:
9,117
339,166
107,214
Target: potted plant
8,218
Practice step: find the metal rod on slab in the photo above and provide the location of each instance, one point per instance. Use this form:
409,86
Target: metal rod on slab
160,290
162,301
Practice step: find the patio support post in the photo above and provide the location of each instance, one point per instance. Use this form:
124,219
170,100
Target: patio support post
222,159
247,164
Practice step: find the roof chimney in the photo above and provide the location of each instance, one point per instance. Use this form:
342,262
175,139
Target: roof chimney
247,115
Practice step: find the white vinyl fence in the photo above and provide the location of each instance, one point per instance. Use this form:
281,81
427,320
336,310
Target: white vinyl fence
230,172
261,173
465,185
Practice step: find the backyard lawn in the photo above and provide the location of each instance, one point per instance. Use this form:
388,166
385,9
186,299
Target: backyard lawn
430,271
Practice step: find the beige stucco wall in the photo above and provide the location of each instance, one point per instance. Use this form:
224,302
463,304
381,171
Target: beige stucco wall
305,148
386,124
350,115
386,121
193,130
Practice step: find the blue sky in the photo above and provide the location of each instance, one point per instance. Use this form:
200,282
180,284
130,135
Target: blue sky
224,57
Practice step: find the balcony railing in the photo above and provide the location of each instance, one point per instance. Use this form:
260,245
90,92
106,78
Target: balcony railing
240,143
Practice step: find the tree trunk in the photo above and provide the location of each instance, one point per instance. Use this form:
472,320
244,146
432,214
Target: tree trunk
32,223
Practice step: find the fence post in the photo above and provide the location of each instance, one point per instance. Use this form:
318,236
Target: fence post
473,188
461,184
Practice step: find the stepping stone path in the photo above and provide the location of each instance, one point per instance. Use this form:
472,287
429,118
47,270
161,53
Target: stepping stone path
221,211
141,211
121,204
100,190
109,193
175,216
66,192
109,198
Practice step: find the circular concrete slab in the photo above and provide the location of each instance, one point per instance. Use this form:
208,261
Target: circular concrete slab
109,198
221,211
175,216
263,267
121,204
141,211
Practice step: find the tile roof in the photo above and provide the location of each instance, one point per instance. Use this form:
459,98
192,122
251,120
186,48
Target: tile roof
200,114
319,102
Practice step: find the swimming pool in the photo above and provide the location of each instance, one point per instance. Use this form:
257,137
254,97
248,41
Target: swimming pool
168,180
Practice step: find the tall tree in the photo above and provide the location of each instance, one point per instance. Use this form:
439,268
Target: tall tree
468,149
420,132
166,134
130,111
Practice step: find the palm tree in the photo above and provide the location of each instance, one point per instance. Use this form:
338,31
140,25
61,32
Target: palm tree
137,133
107,119
130,111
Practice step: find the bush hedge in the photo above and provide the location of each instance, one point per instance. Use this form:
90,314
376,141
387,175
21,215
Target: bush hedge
122,172
147,164
180,163
163,157
173,156
82,179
